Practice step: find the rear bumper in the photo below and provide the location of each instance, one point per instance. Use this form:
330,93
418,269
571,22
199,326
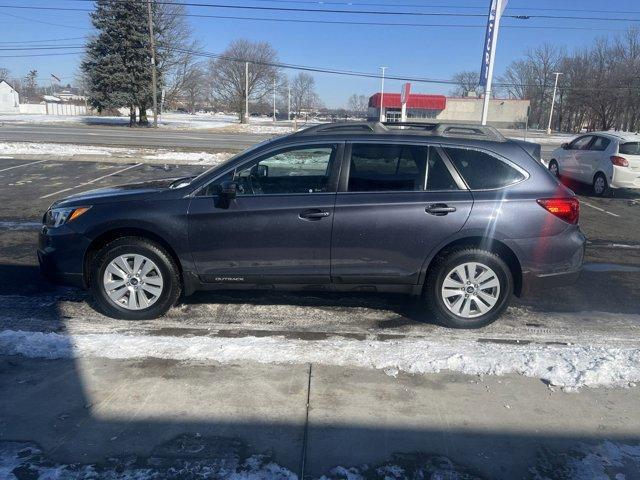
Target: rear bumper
61,254
532,283
552,261
624,177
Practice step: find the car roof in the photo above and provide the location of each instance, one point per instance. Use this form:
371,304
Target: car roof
439,129
620,136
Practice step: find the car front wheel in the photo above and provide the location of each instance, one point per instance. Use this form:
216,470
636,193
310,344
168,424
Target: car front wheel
134,279
554,169
468,288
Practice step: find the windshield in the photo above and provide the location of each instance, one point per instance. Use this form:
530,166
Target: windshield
630,148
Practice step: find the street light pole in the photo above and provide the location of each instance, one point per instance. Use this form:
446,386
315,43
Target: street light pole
274,99
154,82
553,101
382,95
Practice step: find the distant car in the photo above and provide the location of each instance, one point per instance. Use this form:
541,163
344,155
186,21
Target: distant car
604,160
457,216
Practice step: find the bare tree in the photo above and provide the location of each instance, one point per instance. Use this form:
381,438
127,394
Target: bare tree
4,74
466,82
303,93
227,74
193,87
177,50
358,104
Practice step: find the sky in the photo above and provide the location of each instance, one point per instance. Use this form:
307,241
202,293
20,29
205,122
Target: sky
436,51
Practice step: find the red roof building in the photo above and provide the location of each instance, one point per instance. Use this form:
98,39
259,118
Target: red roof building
416,101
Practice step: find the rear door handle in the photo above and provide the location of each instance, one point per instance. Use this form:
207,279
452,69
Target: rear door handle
439,209
314,214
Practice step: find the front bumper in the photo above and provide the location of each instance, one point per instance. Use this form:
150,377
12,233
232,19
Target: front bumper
60,254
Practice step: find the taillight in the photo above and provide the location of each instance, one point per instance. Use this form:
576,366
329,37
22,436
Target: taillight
619,161
567,209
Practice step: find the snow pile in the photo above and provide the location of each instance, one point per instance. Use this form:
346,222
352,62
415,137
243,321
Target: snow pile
19,460
193,158
569,367
19,225
605,461
60,149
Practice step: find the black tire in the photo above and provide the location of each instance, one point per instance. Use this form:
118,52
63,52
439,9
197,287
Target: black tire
445,264
557,169
597,190
135,245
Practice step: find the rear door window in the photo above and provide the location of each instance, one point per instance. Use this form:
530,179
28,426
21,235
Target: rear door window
630,148
380,167
600,144
482,171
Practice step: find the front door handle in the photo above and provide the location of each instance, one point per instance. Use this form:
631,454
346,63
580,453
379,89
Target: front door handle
314,214
439,209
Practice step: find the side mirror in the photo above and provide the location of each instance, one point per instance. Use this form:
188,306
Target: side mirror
565,146
262,170
229,190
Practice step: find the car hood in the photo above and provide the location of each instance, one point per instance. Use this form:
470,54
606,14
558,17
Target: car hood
120,192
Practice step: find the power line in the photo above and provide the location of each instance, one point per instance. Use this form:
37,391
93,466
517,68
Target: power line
372,12
335,22
75,27
43,40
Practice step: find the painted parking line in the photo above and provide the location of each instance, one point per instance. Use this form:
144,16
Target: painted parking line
599,209
91,181
21,165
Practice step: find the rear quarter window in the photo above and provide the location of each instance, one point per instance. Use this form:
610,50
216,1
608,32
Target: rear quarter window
482,171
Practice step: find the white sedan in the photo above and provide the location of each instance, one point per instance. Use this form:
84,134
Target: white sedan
604,160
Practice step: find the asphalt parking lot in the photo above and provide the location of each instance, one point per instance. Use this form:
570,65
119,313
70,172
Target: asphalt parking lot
601,309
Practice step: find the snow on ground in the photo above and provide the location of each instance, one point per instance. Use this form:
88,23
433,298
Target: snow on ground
169,120
195,158
604,461
569,367
61,150
21,460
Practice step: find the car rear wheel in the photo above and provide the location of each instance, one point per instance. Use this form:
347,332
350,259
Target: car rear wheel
468,288
134,279
600,185
554,169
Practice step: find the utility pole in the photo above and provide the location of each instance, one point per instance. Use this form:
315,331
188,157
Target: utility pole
491,41
553,101
246,92
154,86
382,95
274,99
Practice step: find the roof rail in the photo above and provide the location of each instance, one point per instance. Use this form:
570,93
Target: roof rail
348,127
441,129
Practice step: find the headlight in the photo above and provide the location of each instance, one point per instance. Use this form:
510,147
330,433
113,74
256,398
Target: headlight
59,216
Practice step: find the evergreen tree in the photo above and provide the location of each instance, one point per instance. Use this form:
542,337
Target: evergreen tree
117,60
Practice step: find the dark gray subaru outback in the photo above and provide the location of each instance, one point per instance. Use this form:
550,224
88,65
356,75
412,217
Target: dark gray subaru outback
456,215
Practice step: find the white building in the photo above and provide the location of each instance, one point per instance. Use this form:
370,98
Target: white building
9,99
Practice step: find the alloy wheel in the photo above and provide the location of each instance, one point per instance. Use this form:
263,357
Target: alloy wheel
133,281
470,290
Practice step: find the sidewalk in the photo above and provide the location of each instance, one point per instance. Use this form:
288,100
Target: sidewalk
89,409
